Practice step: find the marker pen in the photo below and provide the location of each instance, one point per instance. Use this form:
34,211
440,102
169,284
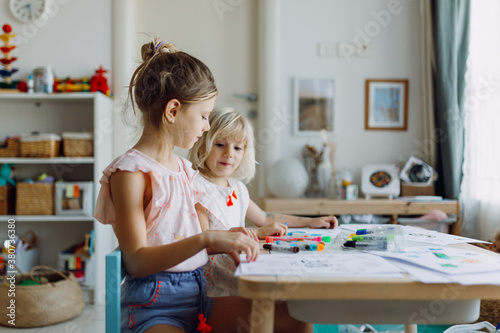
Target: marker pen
270,239
376,245
380,237
381,229
282,248
301,234
300,245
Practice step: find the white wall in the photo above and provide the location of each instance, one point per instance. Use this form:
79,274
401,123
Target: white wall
396,54
75,38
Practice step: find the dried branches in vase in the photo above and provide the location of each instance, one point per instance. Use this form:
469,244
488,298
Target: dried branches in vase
312,159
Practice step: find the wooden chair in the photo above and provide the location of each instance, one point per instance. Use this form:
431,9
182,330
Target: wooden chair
115,272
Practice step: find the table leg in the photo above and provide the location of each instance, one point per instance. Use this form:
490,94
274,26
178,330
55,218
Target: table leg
411,328
262,321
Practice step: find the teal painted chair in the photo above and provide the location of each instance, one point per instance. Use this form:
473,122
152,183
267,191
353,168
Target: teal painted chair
115,272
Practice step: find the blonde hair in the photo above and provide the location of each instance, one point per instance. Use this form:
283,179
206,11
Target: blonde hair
165,74
226,123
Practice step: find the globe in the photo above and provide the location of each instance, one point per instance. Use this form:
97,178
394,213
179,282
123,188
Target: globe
288,178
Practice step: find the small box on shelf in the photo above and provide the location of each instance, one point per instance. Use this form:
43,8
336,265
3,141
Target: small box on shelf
409,190
73,198
78,144
10,148
35,199
40,145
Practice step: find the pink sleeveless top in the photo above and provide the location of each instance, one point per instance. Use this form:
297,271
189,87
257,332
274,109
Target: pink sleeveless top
170,216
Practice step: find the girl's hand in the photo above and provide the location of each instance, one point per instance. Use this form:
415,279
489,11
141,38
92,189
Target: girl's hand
249,232
230,242
272,229
324,222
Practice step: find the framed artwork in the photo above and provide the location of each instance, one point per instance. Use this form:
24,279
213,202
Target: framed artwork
380,180
386,105
313,106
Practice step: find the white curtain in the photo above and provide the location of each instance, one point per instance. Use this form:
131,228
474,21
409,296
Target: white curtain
480,191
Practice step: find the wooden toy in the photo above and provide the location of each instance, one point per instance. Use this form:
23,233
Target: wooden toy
99,82
7,59
71,85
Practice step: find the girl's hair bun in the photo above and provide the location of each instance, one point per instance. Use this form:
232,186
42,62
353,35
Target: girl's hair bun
150,49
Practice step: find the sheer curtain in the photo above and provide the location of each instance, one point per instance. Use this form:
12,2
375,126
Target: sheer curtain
480,191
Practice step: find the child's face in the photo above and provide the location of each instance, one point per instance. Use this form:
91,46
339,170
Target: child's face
193,122
224,159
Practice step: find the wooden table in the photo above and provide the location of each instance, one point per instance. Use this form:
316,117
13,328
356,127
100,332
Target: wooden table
343,300
394,207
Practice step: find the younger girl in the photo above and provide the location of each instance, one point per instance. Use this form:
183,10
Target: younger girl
148,196
225,157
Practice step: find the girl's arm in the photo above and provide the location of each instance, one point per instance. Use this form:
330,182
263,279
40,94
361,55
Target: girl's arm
127,189
202,216
261,218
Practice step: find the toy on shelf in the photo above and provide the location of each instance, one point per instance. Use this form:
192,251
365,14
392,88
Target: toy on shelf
72,85
5,175
99,82
7,59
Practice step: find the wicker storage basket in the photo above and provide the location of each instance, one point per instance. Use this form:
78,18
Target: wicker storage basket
40,145
12,148
35,199
77,144
7,200
408,190
58,298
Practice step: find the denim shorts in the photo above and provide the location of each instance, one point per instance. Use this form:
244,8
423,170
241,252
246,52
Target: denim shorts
164,298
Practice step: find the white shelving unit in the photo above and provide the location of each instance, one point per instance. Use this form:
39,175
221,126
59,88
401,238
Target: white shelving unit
57,113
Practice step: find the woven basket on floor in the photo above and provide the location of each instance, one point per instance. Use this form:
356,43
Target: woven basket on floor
58,298
34,199
490,311
39,145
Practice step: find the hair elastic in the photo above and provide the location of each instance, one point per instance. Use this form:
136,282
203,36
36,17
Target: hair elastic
159,45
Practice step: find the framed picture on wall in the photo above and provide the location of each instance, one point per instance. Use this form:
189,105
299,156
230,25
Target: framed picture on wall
386,105
313,106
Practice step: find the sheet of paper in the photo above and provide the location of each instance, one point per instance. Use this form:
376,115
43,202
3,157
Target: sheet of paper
446,260
417,234
318,265
424,275
430,236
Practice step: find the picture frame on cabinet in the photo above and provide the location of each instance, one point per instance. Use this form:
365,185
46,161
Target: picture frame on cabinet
313,106
74,198
380,180
386,104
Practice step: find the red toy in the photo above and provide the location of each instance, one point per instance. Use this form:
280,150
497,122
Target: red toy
203,327
99,82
